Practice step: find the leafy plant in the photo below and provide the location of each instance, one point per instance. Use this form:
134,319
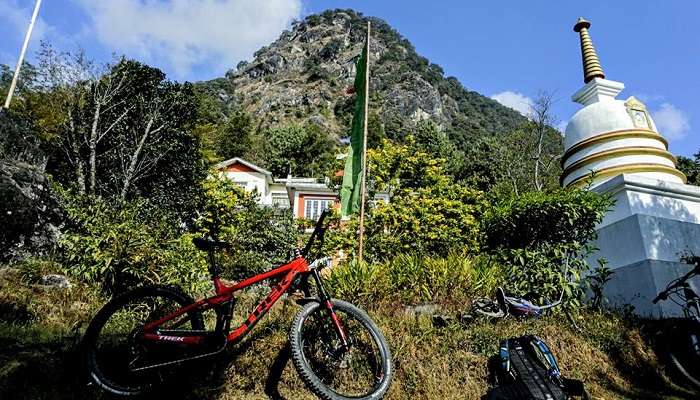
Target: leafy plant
600,276
125,244
535,219
427,213
260,237
299,150
415,278
543,238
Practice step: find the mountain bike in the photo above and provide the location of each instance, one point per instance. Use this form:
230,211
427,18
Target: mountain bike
137,339
681,336
515,306
505,305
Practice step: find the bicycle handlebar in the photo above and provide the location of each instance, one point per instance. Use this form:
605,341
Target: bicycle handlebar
679,282
661,296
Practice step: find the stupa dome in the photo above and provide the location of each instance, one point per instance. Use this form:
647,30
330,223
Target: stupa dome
609,137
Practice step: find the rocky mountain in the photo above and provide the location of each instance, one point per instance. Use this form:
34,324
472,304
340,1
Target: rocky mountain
303,77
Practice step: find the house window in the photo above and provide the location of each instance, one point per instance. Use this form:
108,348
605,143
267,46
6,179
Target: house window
241,184
314,207
280,200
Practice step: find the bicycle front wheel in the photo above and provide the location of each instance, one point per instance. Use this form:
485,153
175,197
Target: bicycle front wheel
363,370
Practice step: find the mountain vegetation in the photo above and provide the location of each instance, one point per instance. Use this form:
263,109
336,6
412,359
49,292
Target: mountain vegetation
302,79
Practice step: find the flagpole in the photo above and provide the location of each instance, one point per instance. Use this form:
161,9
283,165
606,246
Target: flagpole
21,56
364,151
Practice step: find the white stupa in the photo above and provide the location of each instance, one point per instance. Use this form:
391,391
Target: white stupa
608,137
613,146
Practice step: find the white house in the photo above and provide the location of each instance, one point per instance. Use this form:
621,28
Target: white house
307,197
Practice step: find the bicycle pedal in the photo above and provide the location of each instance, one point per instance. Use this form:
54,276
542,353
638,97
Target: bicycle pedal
465,319
442,321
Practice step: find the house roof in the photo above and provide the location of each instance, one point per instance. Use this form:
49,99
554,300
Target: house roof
248,164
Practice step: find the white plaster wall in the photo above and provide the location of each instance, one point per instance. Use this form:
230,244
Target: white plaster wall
255,181
652,225
638,284
634,194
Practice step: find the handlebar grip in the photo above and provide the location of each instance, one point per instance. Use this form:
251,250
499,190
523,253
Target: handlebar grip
661,296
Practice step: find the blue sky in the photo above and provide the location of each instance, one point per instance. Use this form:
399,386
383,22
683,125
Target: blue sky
508,49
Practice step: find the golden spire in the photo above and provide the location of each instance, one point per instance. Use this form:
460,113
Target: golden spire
591,64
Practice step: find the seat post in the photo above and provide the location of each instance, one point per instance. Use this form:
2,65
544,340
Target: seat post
214,270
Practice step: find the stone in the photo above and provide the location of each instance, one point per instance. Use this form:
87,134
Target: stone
29,212
422,309
405,87
55,281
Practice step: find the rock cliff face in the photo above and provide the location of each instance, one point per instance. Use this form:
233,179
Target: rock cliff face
29,213
303,76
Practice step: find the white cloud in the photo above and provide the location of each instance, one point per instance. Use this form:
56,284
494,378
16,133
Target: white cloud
189,33
515,100
561,126
671,122
650,98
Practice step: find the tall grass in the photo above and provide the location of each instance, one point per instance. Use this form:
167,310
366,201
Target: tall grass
413,279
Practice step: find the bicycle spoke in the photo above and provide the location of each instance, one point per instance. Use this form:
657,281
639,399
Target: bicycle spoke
352,371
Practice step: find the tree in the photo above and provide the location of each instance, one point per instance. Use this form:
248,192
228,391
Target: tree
19,141
234,135
299,150
375,130
541,124
428,212
480,165
90,94
121,130
691,168
260,238
512,162
154,152
431,140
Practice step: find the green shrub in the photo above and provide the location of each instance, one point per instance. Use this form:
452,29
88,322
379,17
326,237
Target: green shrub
430,221
535,219
544,238
300,150
414,278
428,213
260,237
126,244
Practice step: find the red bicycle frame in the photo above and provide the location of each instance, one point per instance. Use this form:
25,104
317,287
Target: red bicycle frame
287,272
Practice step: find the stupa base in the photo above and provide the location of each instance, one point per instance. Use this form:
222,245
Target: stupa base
652,225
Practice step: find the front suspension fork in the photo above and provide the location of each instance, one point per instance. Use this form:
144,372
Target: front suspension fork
328,304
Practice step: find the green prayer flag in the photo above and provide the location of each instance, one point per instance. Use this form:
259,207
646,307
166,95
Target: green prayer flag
350,192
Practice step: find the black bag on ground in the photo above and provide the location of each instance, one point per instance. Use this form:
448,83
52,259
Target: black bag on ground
525,369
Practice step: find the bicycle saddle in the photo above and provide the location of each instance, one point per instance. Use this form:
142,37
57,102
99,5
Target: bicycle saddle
206,244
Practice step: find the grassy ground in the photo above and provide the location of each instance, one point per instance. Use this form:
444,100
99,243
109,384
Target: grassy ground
40,329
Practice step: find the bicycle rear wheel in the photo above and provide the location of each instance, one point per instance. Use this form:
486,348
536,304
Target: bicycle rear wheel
682,343
111,353
331,371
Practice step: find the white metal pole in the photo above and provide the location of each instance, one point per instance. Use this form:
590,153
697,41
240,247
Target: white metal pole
15,77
